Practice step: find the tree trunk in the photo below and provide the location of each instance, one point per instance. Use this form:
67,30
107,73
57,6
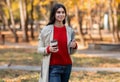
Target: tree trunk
32,20
23,20
90,22
69,17
5,22
90,27
12,21
79,27
26,20
98,21
116,33
111,22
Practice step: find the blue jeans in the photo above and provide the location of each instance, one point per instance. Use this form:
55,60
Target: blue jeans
59,73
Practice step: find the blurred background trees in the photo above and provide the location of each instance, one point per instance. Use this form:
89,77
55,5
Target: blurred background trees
25,18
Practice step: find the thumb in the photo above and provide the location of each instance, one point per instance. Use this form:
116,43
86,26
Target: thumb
73,40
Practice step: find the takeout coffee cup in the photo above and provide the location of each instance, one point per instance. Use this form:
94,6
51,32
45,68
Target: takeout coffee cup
54,43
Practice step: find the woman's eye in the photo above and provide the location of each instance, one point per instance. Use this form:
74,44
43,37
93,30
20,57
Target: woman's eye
60,12
63,12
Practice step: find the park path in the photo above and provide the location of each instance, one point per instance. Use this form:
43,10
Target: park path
91,52
37,68
100,53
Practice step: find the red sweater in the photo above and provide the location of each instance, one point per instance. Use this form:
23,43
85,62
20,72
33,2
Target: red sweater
62,57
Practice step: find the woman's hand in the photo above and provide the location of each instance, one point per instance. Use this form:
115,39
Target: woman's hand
53,49
73,44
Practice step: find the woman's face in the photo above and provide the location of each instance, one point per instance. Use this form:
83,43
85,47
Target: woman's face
60,14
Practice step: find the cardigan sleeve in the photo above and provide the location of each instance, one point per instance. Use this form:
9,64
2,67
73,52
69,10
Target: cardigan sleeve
73,50
41,45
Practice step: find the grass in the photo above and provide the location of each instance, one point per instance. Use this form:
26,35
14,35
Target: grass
87,61
18,76
95,77
19,57
30,57
30,76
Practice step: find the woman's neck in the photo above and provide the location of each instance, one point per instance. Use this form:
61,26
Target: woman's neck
59,24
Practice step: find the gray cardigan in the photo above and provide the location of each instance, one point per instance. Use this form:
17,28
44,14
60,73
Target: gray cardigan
45,37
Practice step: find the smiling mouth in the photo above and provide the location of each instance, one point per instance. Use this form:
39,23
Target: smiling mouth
61,17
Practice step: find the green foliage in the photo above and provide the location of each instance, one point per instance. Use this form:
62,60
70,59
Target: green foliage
42,7
15,9
5,9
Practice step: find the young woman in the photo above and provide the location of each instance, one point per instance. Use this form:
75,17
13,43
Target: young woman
56,64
